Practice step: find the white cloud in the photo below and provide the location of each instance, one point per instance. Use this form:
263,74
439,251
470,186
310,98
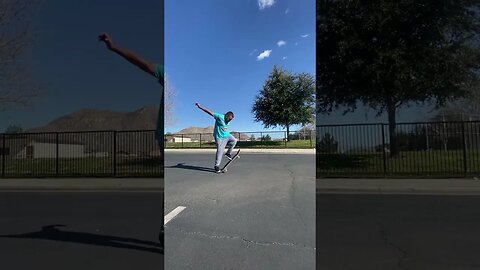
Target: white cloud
287,11
296,43
252,52
264,55
284,57
281,43
262,4
304,36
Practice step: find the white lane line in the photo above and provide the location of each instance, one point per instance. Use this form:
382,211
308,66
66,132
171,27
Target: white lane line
172,214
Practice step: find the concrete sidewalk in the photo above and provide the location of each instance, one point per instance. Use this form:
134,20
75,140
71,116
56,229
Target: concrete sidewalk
400,186
244,151
87,184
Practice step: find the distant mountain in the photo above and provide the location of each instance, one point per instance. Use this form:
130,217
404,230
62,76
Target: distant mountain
89,121
96,120
196,130
207,133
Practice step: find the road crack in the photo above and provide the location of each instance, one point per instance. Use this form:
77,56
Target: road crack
385,235
292,191
244,240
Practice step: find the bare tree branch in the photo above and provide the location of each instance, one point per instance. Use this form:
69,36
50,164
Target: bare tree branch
16,86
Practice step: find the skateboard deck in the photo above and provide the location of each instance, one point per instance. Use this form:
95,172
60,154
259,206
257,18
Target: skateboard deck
224,169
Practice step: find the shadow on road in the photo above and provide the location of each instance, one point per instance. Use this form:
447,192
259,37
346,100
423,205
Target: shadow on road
49,232
191,167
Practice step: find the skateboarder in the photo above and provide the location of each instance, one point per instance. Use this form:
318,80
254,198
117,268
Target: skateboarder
222,136
156,70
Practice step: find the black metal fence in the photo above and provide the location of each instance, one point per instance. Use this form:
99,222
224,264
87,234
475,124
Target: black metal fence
116,153
76,154
259,139
428,149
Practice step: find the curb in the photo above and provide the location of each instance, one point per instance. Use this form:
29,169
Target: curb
406,191
90,185
245,150
409,186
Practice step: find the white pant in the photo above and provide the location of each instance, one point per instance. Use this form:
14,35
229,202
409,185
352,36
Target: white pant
230,141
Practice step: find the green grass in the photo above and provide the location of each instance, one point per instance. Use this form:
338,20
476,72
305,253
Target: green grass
247,144
84,166
408,163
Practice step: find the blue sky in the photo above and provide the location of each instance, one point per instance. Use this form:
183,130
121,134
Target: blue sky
219,53
211,50
77,72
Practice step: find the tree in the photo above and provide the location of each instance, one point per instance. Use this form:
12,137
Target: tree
266,138
15,85
252,138
307,131
328,144
464,109
392,53
285,100
13,129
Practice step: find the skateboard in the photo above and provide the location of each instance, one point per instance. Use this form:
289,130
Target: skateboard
224,169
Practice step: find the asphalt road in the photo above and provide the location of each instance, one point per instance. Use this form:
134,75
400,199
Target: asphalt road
259,215
80,230
397,232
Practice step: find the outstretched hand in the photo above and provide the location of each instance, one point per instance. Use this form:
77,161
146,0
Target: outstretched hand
106,38
203,109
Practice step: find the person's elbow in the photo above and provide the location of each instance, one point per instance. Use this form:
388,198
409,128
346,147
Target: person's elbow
150,68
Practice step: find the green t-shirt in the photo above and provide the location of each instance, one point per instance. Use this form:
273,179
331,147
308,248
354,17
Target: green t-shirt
220,129
159,73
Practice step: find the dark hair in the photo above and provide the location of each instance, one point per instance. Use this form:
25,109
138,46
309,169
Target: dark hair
229,113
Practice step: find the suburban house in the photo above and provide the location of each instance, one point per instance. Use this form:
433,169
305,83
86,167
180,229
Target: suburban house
41,147
179,139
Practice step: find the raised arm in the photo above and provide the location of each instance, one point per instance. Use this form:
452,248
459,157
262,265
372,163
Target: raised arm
203,109
129,56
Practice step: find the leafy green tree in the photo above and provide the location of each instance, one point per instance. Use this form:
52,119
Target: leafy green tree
266,138
328,144
392,53
285,100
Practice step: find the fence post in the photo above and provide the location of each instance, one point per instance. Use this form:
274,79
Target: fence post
200,140
384,152
311,138
4,153
57,154
286,139
182,141
114,153
464,150
239,136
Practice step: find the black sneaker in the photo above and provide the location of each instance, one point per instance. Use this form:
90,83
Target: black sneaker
217,169
229,156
